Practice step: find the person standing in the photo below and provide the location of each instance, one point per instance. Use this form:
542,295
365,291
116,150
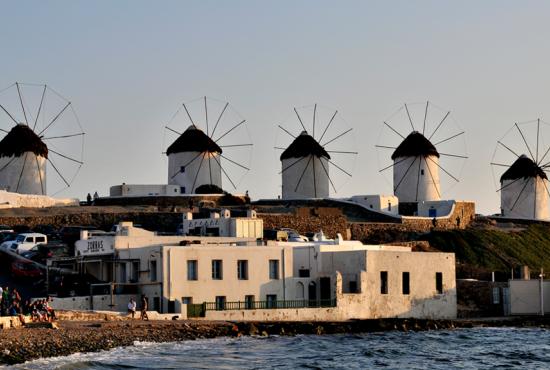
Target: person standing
144,306
132,307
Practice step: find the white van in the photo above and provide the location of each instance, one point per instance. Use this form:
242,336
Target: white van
24,242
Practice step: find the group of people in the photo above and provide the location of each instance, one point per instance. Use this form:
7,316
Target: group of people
10,302
40,310
89,198
12,305
132,307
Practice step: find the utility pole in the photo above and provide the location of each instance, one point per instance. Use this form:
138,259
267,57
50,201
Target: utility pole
541,291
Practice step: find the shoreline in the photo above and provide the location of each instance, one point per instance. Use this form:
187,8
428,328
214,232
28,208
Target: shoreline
19,345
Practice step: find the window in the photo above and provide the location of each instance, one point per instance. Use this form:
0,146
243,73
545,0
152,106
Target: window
405,280
40,239
271,300
187,300
274,269
249,302
303,273
182,169
153,271
421,172
439,282
123,272
383,282
182,190
29,239
389,206
217,269
496,295
353,286
192,273
220,302
135,271
242,269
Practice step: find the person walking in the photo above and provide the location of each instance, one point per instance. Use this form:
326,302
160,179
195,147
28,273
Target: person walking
144,306
132,307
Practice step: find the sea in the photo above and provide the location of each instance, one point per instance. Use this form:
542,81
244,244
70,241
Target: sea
475,348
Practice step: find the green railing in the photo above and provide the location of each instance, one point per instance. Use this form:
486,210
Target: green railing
261,305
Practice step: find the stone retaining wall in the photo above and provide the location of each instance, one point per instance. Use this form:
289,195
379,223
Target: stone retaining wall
331,224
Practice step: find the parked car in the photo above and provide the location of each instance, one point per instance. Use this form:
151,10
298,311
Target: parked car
7,236
51,232
26,269
22,229
294,236
71,285
6,229
41,252
274,234
24,242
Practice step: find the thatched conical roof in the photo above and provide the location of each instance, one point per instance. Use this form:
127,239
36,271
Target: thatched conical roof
415,145
304,145
193,140
22,139
523,167
209,189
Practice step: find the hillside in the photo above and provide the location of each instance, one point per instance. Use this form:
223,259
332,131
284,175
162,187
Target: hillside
496,249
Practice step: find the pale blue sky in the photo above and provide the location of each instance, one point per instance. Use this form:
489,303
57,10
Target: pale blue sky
127,65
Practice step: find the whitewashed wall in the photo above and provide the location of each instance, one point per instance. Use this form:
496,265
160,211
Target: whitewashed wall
194,170
425,178
15,200
533,202
30,168
314,181
525,297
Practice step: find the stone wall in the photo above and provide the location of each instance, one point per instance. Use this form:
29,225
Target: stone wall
331,224
463,214
387,232
157,221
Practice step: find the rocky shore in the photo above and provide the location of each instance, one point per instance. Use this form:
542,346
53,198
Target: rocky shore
27,343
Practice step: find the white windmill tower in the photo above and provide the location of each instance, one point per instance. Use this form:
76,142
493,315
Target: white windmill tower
310,178
524,185
195,157
305,163
43,116
417,159
186,157
422,182
23,158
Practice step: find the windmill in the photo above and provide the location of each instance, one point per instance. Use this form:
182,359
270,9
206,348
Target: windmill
41,128
315,152
215,144
523,153
431,145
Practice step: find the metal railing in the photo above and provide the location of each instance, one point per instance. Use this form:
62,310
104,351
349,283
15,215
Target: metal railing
261,305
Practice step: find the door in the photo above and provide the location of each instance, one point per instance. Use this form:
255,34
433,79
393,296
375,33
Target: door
325,289
312,293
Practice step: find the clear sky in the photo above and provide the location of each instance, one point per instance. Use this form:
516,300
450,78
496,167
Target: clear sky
127,66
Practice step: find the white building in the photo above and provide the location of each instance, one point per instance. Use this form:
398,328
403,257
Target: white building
415,170
378,202
305,169
246,279
524,191
137,190
23,158
194,160
222,224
